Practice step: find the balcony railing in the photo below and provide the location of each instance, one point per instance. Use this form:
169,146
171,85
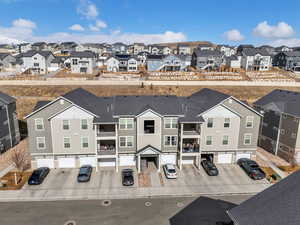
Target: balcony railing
191,132
106,150
106,133
190,149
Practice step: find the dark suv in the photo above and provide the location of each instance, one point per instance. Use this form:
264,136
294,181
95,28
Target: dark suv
127,177
251,168
38,176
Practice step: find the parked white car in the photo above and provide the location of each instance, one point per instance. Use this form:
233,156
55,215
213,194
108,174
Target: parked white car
170,171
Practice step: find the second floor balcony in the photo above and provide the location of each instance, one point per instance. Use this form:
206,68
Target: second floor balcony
106,130
190,146
106,147
191,129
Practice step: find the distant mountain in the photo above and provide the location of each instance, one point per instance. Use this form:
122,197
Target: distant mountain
193,44
6,40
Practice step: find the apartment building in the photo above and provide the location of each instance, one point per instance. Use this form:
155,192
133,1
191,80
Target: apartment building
80,128
9,126
279,133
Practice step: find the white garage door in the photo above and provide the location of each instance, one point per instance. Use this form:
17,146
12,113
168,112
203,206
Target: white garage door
168,159
127,160
243,155
45,163
66,163
188,160
224,158
107,162
88,161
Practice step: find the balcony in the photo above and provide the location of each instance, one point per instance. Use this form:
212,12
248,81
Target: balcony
106,130
190,146
191,129
106,147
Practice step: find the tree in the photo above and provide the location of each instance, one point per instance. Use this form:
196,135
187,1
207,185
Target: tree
20,159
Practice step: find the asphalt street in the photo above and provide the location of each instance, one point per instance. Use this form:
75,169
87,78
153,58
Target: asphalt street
163,211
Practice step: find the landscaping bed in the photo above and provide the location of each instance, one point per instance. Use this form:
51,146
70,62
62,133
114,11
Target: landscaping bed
271,175
289,169
9,180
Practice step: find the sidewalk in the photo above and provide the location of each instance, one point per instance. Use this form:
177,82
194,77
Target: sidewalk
127,192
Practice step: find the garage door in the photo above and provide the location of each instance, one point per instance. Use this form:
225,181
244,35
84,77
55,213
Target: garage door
168,159
66,163
45,163
224,158
188,160
107,162
127,160
88,161
243,155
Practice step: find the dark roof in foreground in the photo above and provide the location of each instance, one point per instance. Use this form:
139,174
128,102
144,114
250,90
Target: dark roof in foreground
277,205
285,101
6,98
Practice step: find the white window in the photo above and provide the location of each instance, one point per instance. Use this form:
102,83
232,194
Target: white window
84,124
40,143
225,140
208,140
210,122
84,142
249,121
227,122
66,125
171,123
126,141
39,124
247,139
126,124
171,141
67,142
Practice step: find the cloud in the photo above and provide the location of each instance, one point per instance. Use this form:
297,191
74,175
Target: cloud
76,27
24,23
233,35
291,42
281,30
87,9
98,26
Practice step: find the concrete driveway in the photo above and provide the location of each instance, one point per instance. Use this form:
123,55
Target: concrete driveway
61,184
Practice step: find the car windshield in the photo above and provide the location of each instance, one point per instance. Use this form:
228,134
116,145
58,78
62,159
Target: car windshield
128,177
254,166
171,171
83,170
36,173
210,164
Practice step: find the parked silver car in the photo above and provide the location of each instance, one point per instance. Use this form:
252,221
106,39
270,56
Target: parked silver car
170,171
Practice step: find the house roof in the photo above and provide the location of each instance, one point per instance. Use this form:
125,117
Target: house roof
292,53
255,51
84,54
206,53
278,204
155,57
40,104
33,52
3,55
6,98
285,101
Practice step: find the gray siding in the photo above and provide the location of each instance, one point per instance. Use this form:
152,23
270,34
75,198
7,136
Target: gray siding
131,132
165,132
45,114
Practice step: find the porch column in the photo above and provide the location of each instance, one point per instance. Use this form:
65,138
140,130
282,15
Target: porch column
139,163
96,146
158,163
181,144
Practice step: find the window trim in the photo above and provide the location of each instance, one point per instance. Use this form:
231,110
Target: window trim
210,140
171,119
126,141
212,119
166,136
81,142
245,139
37,143
63,124
126,124
226,122
252,121
64,142
224,139
87,126
35,124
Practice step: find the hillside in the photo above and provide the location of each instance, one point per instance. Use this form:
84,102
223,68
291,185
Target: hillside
193,44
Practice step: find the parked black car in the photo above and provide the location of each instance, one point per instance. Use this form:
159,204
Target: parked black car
38,176
85,173
210,168
127,177
251,168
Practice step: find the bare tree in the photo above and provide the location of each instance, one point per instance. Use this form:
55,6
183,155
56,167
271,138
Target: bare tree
20,159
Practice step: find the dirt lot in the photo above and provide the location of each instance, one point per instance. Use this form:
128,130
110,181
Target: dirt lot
27,96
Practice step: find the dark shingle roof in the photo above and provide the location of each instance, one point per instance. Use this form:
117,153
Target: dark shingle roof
85,54
40,104
206,53
254,51
33,52
277,205
155,57
292,54
285,101
3,55
6,98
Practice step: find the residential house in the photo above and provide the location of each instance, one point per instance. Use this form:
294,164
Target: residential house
168,63
119,48
80,128
123,63
206,59
241,48
36,61
283,48
255,59
279,133
9,126
278,204
206,46
39,46
136,48
288,60
25,47
184,49
270,49
83,62
7,61
68,47
233,62
226,49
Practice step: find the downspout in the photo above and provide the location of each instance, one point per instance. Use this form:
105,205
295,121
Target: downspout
9,129
278,135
